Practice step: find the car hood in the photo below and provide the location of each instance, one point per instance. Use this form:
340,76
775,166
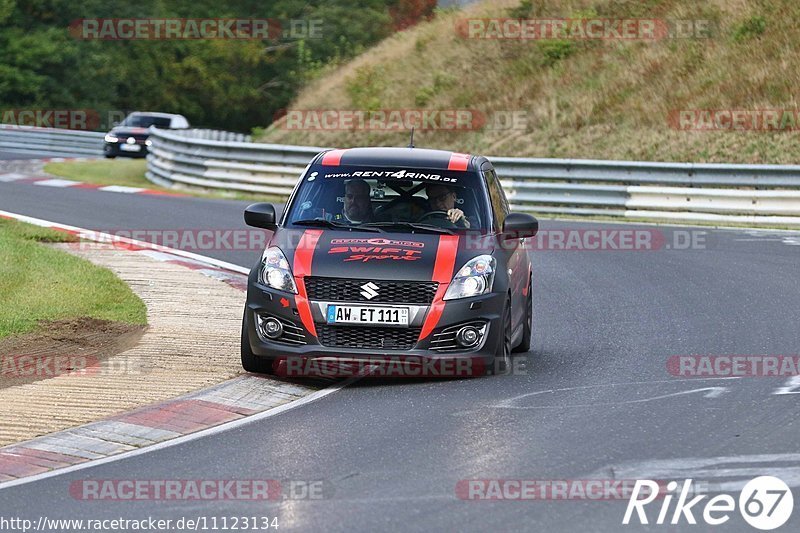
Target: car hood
378,256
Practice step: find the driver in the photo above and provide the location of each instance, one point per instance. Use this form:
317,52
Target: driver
443,198
357,205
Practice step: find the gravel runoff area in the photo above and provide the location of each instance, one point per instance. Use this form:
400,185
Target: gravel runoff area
192,342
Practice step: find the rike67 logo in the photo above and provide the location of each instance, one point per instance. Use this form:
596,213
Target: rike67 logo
765,503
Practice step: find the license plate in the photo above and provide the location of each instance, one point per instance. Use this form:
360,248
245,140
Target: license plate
130,147
354,314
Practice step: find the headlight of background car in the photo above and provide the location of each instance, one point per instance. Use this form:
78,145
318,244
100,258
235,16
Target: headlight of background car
475,277
111,138
275,271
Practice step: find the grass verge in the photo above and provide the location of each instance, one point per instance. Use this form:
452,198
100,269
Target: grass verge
38,283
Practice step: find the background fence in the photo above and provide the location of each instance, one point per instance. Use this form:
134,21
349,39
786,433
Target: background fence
210,159
51,142
750,194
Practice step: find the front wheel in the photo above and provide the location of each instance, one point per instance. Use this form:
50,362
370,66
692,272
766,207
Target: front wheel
502,358
250,361
527,326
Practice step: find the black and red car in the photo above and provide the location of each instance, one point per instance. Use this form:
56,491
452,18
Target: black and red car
130,138
396,253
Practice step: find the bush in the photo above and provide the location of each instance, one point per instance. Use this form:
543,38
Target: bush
752,27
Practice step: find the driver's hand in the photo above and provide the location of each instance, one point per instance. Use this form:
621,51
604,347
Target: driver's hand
454,215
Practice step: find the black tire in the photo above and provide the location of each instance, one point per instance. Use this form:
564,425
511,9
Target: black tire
250,361
527,326
109,156
502,357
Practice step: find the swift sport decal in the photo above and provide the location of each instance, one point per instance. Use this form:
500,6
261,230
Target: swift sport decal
372,252
365,250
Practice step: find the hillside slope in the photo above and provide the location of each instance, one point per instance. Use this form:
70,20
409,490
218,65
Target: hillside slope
605,99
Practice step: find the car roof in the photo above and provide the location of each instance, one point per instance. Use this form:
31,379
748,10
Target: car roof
399,157
156,114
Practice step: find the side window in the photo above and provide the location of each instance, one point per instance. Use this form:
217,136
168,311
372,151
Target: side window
497,197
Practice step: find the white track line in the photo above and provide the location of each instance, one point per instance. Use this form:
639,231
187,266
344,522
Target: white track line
109,239
57,183
122,188
227,426
12,176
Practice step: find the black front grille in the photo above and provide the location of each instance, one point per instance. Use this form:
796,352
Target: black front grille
361,337
349,290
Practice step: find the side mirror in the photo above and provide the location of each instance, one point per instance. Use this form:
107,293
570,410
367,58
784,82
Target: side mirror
519,226
260,216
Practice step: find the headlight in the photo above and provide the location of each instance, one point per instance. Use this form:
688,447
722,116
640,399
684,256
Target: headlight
148,142
111,138
275,271
474,278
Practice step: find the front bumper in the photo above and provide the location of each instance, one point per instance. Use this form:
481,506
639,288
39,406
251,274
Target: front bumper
113,149
485,310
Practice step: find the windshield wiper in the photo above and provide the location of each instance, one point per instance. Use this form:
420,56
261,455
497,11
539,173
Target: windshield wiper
321,222
411,225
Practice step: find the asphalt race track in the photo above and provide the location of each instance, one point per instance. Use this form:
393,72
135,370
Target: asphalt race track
593,400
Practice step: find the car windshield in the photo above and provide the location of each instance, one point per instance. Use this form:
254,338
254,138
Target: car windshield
145,121
392,199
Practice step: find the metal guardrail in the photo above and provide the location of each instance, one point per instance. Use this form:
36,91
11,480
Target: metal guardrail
51,142
750,194
242,166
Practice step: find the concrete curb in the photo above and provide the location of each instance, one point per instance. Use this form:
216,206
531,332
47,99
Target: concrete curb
232,402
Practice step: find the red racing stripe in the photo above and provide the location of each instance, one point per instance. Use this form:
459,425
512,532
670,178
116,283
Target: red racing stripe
458,161
302,268
333,158
442,273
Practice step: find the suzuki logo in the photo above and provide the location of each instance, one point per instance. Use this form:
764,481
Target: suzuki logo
370,290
